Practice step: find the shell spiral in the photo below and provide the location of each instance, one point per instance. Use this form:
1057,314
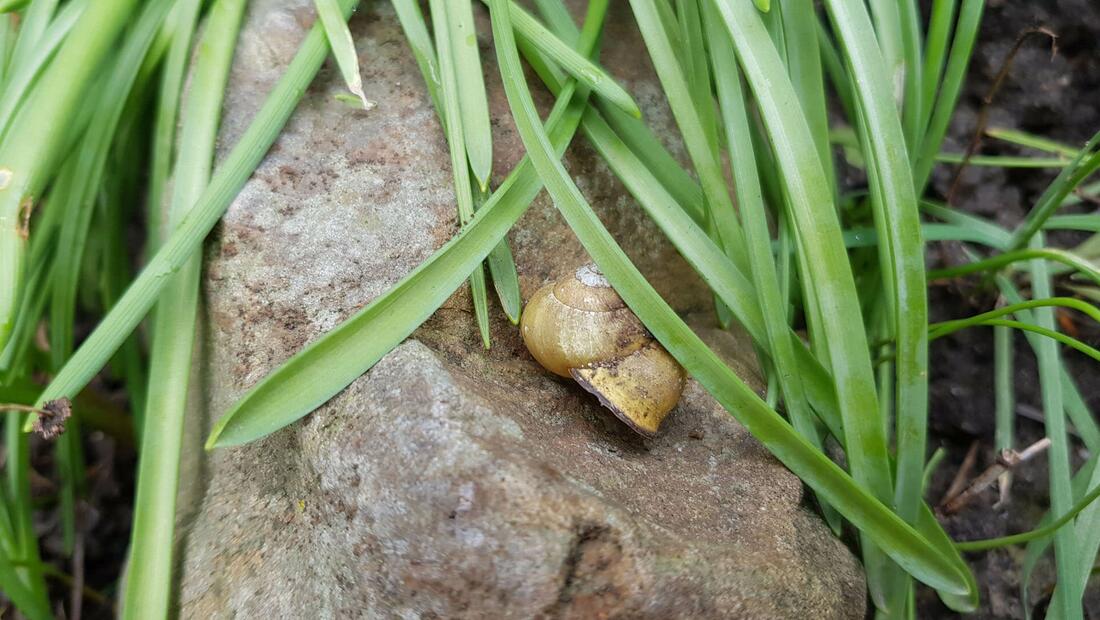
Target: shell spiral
579,327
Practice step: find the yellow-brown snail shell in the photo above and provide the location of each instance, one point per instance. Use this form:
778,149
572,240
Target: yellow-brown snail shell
579,327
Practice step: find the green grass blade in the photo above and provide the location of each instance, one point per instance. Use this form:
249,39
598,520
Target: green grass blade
1070,342
804,63
1069,591
452,73
1039,532
557,18
940,22
901,256
632,130
997,236
821,473
18,488
31,148
721,223
420,42
887,29
182,26
1087,532
750,199
1003,161
124,317
29,603
868,237
929,526
326,366
912,100
11,6
24,73
1086,477
1079,414
1088,222
1022,138
692,126
938,330
827,273
1004,366
473,105
149,583
1086,163
33,23
502,269
950,86
995,263
658,160
342,46
557,50
835,69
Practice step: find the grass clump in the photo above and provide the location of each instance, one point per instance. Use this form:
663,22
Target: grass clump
785,246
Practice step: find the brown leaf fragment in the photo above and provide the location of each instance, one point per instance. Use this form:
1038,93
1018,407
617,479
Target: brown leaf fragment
51,419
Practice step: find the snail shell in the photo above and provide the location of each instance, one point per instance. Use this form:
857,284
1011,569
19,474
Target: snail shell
579,327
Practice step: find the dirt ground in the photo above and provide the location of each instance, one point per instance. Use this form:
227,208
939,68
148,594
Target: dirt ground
1053,97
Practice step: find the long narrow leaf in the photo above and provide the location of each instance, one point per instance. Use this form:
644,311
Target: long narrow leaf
459,103
124,317
329,364
149,582
822,474
343,48
460,51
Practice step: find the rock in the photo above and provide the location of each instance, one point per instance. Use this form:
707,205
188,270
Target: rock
449,481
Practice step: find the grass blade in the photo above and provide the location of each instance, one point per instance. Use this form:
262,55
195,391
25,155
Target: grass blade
124,317
750,199
764,423
472,102
827,275
149,585
1039,532
995,263
453,74
693,128
317,372
343,48
1069,591
586,71
940,21
1086,163
633,131
805,67
25,72
502,267
32,146
901,253
1039,143
950,86
164,128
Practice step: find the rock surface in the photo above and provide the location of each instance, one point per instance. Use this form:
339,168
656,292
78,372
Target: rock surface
451,482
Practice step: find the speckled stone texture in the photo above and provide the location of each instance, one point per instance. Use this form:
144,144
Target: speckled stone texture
450,482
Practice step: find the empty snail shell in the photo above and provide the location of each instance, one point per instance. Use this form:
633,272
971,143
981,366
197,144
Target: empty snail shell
579,327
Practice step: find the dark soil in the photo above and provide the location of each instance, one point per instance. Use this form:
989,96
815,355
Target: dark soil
1054,97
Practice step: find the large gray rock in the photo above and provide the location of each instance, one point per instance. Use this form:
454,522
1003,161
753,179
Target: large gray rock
450,481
